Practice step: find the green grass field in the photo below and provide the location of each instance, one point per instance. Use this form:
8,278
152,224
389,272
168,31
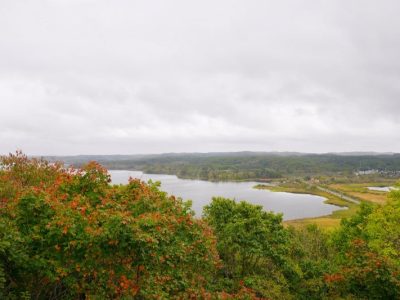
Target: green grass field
333,220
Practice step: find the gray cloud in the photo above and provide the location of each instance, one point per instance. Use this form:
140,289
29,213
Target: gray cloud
123,76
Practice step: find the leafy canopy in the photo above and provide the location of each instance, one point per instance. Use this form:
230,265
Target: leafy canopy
68,233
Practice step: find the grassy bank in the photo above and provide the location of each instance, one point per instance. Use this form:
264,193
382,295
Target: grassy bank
361,191
329,221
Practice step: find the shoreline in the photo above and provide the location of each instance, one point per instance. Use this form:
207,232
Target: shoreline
327,221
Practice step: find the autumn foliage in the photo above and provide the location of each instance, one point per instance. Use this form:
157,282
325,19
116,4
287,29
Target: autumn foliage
68,233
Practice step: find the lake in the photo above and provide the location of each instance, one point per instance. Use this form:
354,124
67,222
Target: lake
381,188
293,206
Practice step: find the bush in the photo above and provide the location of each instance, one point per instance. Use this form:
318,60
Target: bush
87,239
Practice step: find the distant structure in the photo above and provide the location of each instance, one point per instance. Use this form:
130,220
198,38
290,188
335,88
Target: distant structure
367,172
394,173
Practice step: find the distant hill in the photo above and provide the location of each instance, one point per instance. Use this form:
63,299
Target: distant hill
245,165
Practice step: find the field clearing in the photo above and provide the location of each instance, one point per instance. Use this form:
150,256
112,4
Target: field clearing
328,223
361,191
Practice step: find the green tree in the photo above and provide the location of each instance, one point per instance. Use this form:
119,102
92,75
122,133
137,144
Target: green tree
88,239
383,228
310,250
367,248
252,244
364,275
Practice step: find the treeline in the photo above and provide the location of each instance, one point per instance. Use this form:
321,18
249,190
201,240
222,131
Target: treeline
69,234
210,172
248,165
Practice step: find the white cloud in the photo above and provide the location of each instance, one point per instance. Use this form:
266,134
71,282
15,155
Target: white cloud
158,76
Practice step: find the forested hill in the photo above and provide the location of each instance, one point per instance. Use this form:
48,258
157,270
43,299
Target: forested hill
246,165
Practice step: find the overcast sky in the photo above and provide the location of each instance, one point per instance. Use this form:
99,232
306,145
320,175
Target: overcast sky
106,77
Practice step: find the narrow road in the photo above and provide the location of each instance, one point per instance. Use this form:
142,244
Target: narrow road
340,195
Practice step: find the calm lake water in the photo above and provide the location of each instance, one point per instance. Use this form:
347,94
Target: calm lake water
381,188
293,206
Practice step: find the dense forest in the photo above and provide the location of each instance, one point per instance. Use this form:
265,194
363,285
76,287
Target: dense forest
246,165
67,233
